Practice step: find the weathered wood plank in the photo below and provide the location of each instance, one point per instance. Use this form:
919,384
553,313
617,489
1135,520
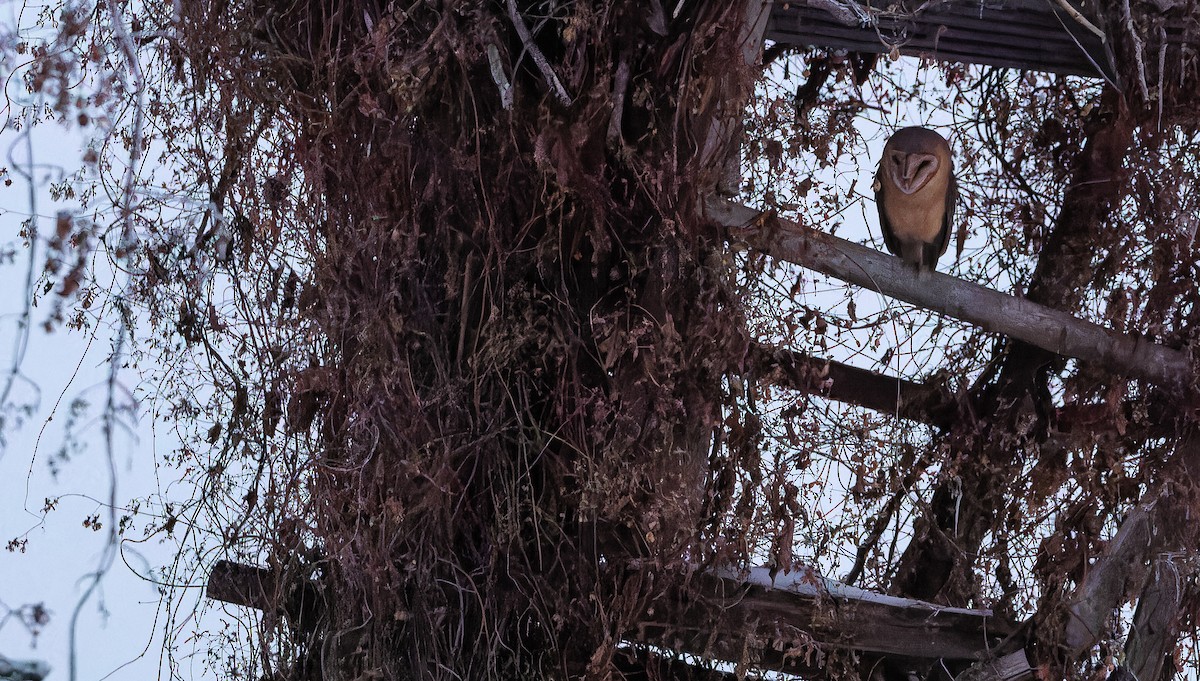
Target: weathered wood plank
1156,623
1145,552
1046,328
1012,667
1014,33
834,380
788,622
262,589
1110,579
798,618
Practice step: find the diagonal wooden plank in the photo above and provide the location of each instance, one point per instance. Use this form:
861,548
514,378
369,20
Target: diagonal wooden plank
1046,328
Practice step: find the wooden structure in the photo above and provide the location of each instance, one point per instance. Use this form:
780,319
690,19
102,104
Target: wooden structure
1042,35
802,617
804,612
1016,317
786,618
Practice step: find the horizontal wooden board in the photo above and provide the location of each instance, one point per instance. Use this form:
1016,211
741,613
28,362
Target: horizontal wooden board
1036,35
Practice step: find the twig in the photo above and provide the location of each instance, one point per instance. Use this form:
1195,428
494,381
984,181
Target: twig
620,87
499,77
137,137
128,241
538,58
882,520
1138,48
1083,21
849,13
23,323
1162,71
108,557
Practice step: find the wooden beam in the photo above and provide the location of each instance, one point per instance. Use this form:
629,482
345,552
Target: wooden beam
262,589
929,404
1143,553
257,588
1046,328
1156,624
790,623
723,144
1110,580
1024,34
242,585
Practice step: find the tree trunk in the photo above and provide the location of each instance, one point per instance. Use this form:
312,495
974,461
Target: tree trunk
526,321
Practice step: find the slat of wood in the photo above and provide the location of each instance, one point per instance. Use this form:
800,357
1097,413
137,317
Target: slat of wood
1020,35
928,34
720,614
996,27
971,41
1016,23
800,611
951,39
845,383
1052,330
1011,59
980,41
951,48
1015,60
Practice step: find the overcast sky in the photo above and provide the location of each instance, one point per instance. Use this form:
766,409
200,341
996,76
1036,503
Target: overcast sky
119,628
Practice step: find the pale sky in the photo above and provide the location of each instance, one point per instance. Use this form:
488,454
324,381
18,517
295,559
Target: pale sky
119,628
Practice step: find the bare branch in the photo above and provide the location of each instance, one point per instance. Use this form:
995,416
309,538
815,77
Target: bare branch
620,88
552,80
837,381
1080,19
848,13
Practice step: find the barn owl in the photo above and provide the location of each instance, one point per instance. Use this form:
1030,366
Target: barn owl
915,192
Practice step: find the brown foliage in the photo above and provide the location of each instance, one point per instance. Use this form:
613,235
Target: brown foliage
525,321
